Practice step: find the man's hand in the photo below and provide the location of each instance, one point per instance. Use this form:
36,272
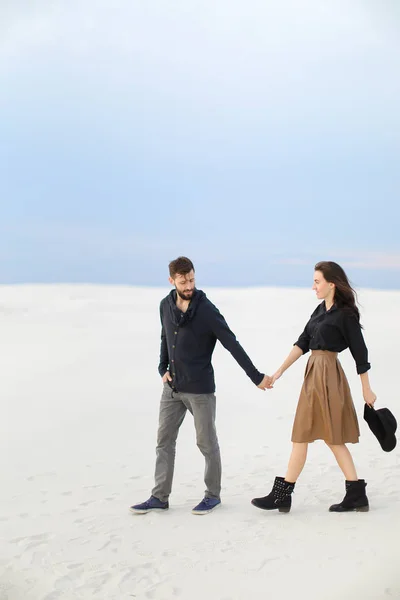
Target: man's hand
166,377
265,383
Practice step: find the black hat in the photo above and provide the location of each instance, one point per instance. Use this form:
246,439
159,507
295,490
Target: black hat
383,425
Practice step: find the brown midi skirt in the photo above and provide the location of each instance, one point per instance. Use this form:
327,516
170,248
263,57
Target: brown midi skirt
325,410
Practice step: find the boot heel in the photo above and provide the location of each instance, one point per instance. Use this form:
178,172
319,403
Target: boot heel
279,498
355,498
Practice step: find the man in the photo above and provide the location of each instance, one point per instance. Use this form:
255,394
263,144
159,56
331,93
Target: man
191,326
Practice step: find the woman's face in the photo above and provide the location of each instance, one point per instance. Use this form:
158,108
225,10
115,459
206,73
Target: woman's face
323,289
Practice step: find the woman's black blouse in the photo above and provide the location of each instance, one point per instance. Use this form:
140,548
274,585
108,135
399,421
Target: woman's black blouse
335,330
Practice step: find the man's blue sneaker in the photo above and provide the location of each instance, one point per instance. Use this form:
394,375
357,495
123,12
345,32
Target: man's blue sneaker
152,503
206,506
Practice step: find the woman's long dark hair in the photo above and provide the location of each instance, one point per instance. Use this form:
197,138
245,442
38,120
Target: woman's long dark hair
345,297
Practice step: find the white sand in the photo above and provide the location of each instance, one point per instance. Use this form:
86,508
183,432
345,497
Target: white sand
79,399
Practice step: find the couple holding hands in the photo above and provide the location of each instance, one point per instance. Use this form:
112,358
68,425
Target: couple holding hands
190,328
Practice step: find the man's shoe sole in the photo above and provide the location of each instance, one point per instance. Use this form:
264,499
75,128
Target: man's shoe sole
136,511
205,512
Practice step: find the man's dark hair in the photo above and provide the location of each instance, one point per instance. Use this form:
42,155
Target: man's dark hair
180,266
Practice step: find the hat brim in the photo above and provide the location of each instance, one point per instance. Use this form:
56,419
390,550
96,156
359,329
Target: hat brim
383,424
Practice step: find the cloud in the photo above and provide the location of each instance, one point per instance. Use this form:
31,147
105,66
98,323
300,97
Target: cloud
261,51
94,242
360,260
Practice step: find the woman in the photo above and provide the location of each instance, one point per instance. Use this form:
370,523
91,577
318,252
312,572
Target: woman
325,409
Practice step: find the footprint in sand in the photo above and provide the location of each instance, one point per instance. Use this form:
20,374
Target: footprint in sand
38,537
75,566
85,520
113,497
54,595
65,583
93,487
47,474
114,539
33,541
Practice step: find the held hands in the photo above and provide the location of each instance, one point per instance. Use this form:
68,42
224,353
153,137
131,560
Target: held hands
166,377
369,397
268,382
265,383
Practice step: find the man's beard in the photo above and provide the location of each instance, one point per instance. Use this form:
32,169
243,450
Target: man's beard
183,295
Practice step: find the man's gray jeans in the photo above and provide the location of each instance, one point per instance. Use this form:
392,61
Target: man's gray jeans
173,408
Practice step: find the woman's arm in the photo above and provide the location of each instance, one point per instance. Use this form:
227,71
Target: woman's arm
355,339
295,354
368,394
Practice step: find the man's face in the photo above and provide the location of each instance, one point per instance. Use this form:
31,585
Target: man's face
184,285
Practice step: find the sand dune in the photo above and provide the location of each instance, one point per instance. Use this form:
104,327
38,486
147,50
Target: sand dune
79,397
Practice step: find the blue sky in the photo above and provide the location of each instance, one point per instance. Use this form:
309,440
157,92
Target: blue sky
255,137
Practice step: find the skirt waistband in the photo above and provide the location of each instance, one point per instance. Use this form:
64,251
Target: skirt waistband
327,353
